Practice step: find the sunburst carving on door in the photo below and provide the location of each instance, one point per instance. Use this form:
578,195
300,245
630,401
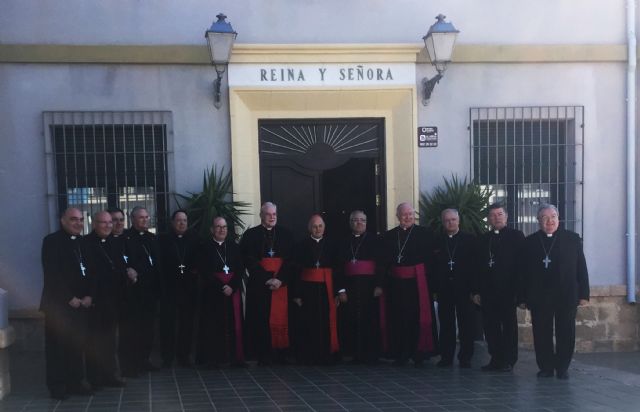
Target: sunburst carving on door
301,138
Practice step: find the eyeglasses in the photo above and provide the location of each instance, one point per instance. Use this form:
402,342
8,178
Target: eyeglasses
220,227
358,220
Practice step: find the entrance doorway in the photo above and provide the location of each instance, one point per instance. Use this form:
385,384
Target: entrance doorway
326,166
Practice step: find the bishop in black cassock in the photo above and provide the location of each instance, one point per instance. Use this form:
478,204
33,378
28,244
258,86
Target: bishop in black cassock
454,263
496,286
314,294
555,282
220,331
66,296
142,291
405,256
267,253
359,283
104,260
180,249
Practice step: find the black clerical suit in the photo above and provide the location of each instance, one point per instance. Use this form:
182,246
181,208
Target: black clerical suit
454,263
411,312
316,327
64,262
263,250
141,300
497,283
180,257
555,278
104,260
358,274
220,328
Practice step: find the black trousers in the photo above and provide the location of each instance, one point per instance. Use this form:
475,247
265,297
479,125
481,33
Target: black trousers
64,340
177,317
543,320
501,331
454,307
101,345
405,327
137,324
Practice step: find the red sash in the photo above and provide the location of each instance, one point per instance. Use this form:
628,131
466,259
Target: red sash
419,273
360,267
323,275
279,315
236,300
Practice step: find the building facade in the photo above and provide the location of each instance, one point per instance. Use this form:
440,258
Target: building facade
111,103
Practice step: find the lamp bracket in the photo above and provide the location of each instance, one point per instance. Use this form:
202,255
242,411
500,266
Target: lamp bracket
427,87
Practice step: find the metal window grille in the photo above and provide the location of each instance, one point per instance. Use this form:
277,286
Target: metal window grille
97,160
529,156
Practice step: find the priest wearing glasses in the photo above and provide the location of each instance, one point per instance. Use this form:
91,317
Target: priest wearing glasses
405,259
266,252
555,282
220,333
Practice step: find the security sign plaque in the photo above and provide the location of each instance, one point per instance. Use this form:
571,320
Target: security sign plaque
428,136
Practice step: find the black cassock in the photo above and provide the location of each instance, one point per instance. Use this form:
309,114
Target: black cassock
497,283
180,257
63,259
358,273
555,278
262,245
313,330
455,264
137,318
402,249
104,260
220,329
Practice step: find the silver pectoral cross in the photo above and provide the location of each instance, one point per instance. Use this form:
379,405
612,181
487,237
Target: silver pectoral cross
491,262
399,258
126,258
354,260
225,268
451,263
271,252
317,264
82,269
181,267
150,260
546,262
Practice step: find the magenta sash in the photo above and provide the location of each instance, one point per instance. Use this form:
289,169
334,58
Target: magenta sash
236,300
419,273
360,267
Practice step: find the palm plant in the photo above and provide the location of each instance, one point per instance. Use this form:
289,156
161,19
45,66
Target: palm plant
470,199
214,200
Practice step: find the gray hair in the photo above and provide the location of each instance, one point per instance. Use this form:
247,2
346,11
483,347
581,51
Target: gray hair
403,204
450,210
266,205
546,206
135,210
356,212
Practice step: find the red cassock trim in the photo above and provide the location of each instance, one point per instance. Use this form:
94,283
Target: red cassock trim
279,315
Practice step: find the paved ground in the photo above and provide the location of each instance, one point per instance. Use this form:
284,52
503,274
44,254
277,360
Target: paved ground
599,382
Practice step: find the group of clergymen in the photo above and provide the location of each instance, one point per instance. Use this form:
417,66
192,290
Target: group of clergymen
365,296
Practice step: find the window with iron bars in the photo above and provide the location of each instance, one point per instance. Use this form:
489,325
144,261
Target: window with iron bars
97,160
529,156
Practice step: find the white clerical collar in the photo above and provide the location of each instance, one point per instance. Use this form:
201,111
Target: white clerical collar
268,228
116,235
141,233
405,228
103,240
317,240
218,242
179,236
453,234
357,234
73,237
496,231
549,234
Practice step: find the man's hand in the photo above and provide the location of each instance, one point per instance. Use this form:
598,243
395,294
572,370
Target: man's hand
226,289
132,275
297,301
275,284
476,299
75,302
522,306
583,302
377,292
86,302
342,297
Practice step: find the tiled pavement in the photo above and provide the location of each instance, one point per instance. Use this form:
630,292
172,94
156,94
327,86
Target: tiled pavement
593,387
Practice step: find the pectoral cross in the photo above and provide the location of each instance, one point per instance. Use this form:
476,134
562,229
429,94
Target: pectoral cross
354,260
82,269
399,258
181,267
150,260
451,263
317,264
491,262
271,252
126,258
546,262
225,268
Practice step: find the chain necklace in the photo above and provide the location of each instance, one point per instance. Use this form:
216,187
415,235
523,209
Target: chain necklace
451,254
401,249
355,253
225,268
181,256
271,252
546,259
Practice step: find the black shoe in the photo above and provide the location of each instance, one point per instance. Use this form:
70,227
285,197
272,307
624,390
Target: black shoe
167,364
491,366
544,374
418,364
58,393
505,368
444,363
148,367
399,362
129,373
81,388
564,375
113,382
465,364
239,364
185,363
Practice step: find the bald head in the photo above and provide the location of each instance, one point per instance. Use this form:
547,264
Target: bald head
268,215
316,226
102,224
72,221
406,215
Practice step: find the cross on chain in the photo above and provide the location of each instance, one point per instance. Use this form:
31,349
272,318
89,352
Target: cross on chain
546,262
